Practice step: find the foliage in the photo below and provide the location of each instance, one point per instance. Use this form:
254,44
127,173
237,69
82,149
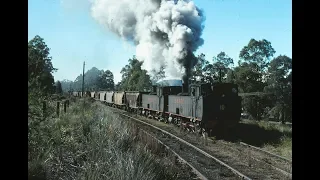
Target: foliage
280,83
105,80
94,79
248,78
204,71
201,72
58,87
40,68
134,78
256,73
256,106
221,64
230,76
258,52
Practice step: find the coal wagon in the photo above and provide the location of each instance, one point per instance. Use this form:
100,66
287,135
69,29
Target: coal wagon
102,96
109,98
119,99
92,94
133,100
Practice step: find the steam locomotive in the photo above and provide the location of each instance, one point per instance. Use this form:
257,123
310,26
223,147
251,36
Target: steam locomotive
196,107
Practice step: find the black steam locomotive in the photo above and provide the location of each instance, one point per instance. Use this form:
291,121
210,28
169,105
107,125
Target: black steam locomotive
197,107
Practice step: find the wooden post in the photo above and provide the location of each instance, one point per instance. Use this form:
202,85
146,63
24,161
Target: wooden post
65,106
58,108
68,102
44,109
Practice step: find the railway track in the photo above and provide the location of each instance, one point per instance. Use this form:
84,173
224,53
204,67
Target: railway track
262,157
245,159
195,171
277,162
204,164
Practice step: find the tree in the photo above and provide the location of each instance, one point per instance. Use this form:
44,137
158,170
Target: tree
258,52
106,80
134,78
40,68
248,78
256,105
58,88
94,79
280,83
230,76
201,71
221,62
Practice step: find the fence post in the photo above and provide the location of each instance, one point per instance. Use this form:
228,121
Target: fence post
68,103
65,106
44,109
58,108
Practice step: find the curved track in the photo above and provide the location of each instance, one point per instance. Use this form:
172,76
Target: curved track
208,165
243,160
229,159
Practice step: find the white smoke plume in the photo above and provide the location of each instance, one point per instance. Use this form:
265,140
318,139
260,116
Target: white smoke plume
164,31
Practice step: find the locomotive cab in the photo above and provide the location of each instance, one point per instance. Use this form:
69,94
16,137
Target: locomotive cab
221,105
227,104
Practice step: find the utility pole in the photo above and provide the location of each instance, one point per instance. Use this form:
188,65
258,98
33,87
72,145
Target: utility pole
83,79
83,98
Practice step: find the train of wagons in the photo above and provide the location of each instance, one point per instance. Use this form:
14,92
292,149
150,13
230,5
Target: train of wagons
197,107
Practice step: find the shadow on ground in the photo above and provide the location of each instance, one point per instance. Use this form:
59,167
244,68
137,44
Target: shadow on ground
253,134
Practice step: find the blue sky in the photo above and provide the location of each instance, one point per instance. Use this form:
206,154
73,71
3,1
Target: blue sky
74,36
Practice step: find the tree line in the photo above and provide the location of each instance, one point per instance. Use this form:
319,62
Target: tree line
257,71
94,80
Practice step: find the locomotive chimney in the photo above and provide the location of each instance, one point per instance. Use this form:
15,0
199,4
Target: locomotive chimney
185,85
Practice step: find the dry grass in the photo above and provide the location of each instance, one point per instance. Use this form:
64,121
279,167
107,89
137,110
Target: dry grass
284,148
92,144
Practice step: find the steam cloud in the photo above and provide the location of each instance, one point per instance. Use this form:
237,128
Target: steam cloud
165,32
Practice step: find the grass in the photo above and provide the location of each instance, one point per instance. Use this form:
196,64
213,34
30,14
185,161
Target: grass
91,144
282,144
284,148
